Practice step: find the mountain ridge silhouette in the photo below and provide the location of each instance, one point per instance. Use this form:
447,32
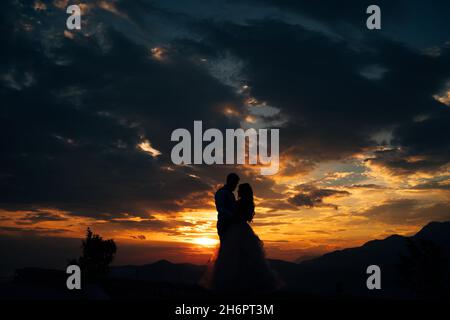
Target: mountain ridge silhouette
337,272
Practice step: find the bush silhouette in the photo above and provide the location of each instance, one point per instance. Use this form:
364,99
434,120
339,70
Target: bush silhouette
425,270
97,255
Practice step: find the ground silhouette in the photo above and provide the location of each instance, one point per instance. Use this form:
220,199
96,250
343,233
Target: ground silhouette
413,267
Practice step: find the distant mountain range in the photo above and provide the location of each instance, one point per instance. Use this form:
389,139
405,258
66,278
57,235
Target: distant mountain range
345,270
161,271
341,272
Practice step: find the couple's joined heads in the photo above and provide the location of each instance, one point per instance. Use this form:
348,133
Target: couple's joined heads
244,190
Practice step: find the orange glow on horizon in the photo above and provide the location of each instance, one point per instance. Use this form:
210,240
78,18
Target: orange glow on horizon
206,242
336,222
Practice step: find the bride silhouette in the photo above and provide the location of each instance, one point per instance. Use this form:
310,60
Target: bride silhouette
240,265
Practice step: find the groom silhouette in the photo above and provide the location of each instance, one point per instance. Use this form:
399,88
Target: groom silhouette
226,204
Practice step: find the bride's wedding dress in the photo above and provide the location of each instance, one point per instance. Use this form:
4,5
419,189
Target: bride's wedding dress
240,264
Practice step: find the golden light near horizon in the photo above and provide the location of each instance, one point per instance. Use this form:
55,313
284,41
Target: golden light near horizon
206,242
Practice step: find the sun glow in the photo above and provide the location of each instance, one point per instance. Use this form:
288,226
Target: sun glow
206,242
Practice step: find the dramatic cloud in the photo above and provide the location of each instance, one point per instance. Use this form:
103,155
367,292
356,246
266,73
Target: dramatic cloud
64,122
76,141
441,184
87,115
33,218
317,84
311,196
407,212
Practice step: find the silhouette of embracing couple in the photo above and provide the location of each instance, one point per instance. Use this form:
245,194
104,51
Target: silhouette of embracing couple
240,264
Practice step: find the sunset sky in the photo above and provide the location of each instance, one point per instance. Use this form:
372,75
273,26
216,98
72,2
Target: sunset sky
86,118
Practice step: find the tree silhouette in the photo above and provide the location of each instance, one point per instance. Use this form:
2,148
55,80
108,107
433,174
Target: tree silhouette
97,255
425,270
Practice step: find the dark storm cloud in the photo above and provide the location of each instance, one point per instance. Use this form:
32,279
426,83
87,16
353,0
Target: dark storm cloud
415,22
70,135
329,11
333,108
74,110
407,212
403,162
426,142
311,196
